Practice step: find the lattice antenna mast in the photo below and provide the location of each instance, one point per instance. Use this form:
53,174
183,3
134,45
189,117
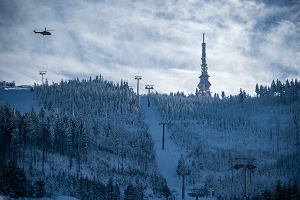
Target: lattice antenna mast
204,83
203,65
138,78
42,73
149,87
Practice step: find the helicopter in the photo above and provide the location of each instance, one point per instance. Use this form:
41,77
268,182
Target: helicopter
45,32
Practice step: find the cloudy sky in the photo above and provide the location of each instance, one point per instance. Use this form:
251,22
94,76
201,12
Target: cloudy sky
248,42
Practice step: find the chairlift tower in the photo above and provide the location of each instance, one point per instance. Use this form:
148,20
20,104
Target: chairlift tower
149,87
183,174
246,164
197,192
42,73
163,123
138,78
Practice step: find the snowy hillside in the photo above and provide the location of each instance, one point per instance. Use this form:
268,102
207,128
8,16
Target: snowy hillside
88,133
167,158
19,97
219,133
113,122
89,139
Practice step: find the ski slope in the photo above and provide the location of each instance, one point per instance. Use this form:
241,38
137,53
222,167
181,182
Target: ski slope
166,159
21,99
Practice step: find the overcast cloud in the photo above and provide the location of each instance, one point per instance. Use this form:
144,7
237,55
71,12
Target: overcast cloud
248,42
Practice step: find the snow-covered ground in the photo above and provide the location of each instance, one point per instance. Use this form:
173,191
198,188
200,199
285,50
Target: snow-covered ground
209,144
123,162
167,159
21,99
220,134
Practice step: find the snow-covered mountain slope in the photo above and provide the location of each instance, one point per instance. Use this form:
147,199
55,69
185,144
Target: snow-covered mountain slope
85,130
113,122
92,132
21,99
166,159
218,134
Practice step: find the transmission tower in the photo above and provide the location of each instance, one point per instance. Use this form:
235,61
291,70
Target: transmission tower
42,73
149,87
246,164
138,78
